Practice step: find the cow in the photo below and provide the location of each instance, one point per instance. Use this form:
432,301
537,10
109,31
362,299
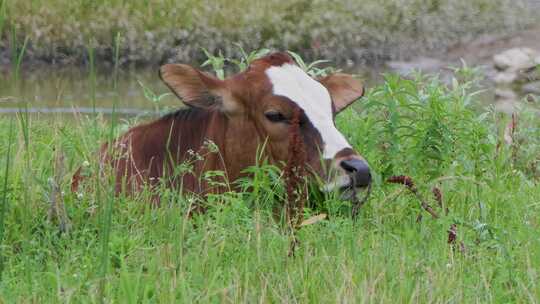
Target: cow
227,122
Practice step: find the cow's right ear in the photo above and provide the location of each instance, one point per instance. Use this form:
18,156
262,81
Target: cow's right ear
197,89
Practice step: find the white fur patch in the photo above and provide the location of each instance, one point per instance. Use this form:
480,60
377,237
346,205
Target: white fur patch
292,82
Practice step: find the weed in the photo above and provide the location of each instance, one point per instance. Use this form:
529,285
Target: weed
5,190
17,54
153,97
3,14
121,249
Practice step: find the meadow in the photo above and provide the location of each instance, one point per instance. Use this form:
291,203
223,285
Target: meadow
98,247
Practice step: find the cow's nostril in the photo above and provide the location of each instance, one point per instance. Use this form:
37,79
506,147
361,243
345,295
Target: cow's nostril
358,169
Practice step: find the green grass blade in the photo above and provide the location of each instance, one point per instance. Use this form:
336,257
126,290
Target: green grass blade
5,189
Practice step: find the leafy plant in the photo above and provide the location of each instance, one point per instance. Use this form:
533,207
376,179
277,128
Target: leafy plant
312,68
154,98
245,59
216,62
17,53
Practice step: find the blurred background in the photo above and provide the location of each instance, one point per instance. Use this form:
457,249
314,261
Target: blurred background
59,54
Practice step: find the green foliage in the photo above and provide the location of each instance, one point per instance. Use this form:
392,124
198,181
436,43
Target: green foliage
3,14
5,193
245,58
312,68
122,249
152,97
337,30
17,53
217,63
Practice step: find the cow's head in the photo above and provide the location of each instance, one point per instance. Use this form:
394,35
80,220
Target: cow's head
263,99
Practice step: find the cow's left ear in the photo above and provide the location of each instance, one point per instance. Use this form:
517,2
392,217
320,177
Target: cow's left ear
344,89
198,89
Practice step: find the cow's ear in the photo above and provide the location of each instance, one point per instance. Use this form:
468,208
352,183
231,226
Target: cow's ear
196,88
344,89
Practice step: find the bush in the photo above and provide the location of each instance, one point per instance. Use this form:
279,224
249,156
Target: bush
156,31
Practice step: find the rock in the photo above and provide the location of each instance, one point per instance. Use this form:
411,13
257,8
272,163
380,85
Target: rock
505,77
503,93
531,88
516,59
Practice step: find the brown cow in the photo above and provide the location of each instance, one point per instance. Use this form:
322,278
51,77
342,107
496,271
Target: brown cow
238,115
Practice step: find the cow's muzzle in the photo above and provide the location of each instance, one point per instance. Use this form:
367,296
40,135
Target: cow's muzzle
358,171
351,175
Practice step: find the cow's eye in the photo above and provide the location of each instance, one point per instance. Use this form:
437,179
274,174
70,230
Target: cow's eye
275,116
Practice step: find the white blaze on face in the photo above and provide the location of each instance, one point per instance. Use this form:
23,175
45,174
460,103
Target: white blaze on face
292,82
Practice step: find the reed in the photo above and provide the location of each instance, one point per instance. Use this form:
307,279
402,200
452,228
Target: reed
5,191
3,14
17,54
110,189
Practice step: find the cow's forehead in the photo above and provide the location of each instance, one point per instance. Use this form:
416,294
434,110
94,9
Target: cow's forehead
290,81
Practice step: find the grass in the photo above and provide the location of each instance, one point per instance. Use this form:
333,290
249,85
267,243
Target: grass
5,193
155,31
237,252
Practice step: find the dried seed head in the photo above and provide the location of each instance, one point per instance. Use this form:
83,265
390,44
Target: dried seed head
294,171
402,179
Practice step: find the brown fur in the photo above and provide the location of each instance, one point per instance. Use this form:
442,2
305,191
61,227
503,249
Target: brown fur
229,113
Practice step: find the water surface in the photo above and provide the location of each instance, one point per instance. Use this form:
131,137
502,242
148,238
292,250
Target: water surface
52,90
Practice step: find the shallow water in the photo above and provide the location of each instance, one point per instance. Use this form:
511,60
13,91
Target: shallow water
52,90
68,90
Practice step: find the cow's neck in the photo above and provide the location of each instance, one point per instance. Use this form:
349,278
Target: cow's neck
235,137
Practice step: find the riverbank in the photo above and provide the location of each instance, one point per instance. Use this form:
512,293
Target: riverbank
153,32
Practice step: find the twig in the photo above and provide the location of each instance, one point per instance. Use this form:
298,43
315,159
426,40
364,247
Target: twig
437,194
408,182
452,238
293,244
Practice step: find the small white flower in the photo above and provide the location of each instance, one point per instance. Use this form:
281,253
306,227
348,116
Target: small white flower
86,163
80,195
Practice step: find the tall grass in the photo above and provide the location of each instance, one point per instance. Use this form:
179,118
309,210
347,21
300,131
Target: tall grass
119,249
5,191
3,14
107,211
17,53
92,75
